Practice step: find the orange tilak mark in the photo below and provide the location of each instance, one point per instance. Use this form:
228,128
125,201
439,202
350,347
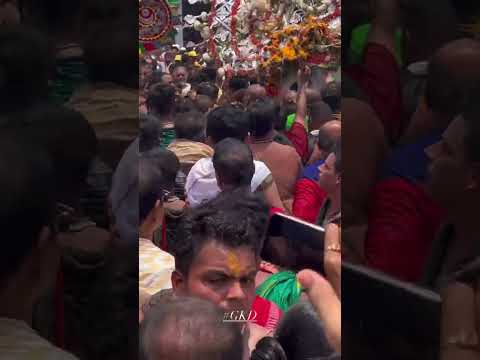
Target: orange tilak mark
234,264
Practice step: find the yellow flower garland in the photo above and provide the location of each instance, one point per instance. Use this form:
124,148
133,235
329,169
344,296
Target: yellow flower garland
299,42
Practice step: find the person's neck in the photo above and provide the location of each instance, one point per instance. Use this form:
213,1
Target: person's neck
264,139
166,121
335,205
230,188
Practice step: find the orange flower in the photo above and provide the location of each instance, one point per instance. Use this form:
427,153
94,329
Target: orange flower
276,58
294,41
289,53
289,30
302,54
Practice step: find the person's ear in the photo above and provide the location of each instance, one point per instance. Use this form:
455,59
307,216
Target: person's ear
179,282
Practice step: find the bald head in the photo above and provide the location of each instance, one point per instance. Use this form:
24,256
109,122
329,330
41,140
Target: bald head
328,135
333,129
189,329
255,92
452,74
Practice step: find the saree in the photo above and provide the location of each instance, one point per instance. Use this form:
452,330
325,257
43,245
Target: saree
281,288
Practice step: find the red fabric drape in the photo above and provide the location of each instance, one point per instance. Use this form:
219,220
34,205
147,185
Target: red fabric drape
403,221
299,138
308,200
379,77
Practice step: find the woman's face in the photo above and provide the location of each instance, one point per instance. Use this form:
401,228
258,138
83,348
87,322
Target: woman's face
328,178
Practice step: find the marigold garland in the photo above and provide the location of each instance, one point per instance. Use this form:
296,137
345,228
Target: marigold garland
311,40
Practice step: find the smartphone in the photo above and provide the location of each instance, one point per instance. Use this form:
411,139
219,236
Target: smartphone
391,316
294,244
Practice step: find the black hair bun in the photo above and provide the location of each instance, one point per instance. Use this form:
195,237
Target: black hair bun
268,348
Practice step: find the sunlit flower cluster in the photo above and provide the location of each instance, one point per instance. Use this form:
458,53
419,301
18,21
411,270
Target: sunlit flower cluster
308,41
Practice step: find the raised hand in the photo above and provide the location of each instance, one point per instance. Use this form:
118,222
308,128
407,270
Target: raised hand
328,306
304,75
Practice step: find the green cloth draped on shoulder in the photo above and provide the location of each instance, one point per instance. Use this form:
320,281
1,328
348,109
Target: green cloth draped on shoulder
281,288
167,136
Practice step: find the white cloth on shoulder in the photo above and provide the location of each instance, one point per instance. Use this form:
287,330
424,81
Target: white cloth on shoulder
201,185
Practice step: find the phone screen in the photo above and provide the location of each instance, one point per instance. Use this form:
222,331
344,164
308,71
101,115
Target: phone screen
294,244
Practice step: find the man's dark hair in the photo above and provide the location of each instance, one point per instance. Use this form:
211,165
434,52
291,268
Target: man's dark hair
227,121
157,172
200,326
69,140
190,126
204,103
331,95
177,65
197,79
27,199
263,114
150,132
233,163
25,62
156,78
184,105
210,73
233,219
238,83
447,87
208,89
302,335
161,99
111,55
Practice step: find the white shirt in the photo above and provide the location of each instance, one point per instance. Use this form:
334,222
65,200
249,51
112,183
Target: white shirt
18,341
155,267
201,185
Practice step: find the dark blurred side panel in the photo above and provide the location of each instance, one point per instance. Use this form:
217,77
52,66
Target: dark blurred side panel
69,90
410,88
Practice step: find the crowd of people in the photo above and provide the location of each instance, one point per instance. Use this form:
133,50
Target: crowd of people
160,205
410,123
220,154
69,108
139,193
